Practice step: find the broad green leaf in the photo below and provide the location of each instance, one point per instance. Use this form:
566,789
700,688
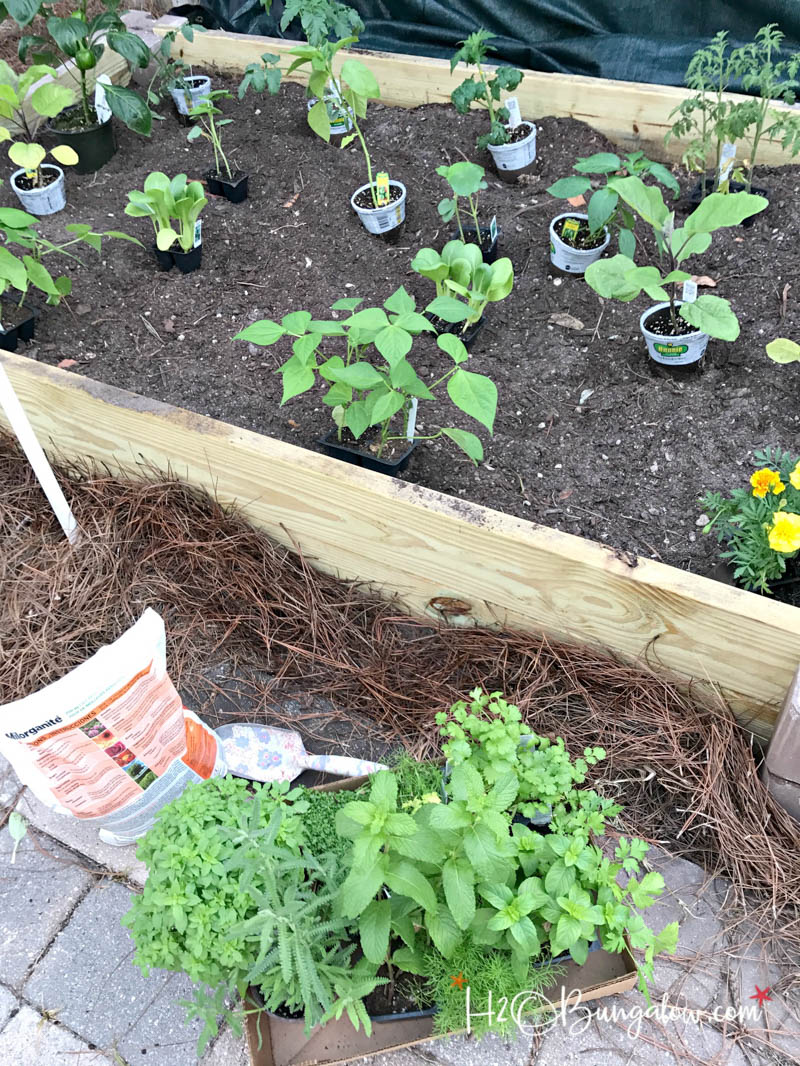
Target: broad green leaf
393,343
39,276
524,932
305,347
386,406
296,322
443,931
51,98
648,278
645,200
349,303
683,244
464,178
373,928
401,825
383,790
403,376
130,47
454,347
409,961
458,882
627,243
358,811
400,302
326,327
608,278
782,350
405,879
12,270
485,852
663,175
23,11
430,264
602,206
414,323
719,209
130,108
568,930
13,218
475,395
579,951
358,375
448,309
559,878
28,156
501,282
498,895
504,792
566,188
450,816
713,316
319,121
466,441
360,79
262,333
369,318
297,378
357,418
599,163
68,157
360,887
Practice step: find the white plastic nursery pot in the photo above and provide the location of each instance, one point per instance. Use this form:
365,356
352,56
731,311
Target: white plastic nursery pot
340,126
512,158
682,349
381,220
564,256
46,200
198,86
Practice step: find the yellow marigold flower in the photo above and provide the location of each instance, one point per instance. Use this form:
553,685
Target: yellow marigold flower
766,480
784,533
794,477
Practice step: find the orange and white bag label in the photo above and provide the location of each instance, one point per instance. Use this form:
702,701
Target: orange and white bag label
111,741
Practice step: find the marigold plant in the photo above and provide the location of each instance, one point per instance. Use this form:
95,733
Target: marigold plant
759,526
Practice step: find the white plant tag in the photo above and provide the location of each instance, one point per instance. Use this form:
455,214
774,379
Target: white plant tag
100,100
689,292
411,425
198,232
726,158
514,116
493,228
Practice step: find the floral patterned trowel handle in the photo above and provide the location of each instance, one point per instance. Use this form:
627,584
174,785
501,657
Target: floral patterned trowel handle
262,753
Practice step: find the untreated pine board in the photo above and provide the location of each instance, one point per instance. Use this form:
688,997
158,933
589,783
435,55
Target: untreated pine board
423,545
633,115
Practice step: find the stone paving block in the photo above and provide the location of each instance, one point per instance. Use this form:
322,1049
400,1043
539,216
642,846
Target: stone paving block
37,893
229,1050
416,1056
778,1019
490,1050
8,1004
88,976
83,837
29,1040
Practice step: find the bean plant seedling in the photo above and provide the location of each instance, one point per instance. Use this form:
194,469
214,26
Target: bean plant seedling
619,278
604,207
486,89
370,378
466,180
206,111
782,350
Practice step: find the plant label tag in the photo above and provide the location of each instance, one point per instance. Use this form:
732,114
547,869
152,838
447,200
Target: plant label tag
493,229
198,232
382,190
689,292
411,424
570,228
514,116
727,156
100,99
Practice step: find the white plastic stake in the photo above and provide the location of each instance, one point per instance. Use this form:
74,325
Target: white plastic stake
411,425
100,102
514,115
33,450
689,292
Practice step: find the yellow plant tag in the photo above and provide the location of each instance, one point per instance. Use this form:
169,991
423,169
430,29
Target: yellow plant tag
382,190
570,228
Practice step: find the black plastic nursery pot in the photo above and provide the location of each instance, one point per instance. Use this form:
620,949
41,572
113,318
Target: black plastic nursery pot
186,262
487,244
355,456
20,321
94,145
233,189
695,195
467,337
164,259
8,339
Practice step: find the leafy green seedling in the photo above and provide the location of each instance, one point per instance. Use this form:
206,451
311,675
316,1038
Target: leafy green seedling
485,89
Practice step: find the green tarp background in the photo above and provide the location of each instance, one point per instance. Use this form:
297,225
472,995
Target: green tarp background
633,40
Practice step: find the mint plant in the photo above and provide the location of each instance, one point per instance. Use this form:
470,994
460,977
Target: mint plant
604,207
465,285
371,382
484,88
619,278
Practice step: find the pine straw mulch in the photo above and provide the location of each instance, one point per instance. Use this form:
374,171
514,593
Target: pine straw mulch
684,768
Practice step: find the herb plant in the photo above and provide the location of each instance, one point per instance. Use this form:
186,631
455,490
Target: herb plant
484,89
604,207
80,41
465,179
619,278
759,526
371,381
166,201
465,285
208,126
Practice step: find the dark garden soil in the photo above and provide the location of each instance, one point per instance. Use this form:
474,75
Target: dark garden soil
590,437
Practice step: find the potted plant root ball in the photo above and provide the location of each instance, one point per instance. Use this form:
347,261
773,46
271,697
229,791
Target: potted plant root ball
573,244
511,142
232,184
466,179
165,201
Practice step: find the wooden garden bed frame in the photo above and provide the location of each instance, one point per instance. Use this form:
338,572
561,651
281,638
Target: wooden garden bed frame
633,115
425,547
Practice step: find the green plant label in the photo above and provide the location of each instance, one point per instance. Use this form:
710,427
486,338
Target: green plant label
570,227
671,349
382,190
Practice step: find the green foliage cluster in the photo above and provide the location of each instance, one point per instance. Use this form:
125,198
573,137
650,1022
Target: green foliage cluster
619,278
605,207
369,375
742,522
166,201
484,89
319,824
465,285
710,120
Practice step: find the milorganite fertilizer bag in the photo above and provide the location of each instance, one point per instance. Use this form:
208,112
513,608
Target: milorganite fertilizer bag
111,742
